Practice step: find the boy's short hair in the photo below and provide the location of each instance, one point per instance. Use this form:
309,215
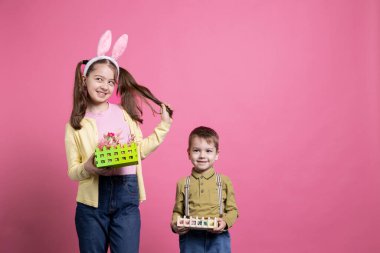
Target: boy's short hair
207,133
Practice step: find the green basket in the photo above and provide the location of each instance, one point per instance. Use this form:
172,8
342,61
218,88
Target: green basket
116,156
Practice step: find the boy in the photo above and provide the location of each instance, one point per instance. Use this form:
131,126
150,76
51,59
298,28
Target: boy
204,199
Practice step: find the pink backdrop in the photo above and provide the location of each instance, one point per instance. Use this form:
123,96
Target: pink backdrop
291,86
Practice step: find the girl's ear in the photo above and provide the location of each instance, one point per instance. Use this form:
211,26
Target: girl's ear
84,80
120,46
105,43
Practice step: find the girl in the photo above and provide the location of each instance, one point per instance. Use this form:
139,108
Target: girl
107,211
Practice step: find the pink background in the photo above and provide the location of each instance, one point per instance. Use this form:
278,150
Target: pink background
291,86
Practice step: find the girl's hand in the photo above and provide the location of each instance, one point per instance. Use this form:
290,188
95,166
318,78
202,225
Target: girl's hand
92,169
180,230
221,226
165,115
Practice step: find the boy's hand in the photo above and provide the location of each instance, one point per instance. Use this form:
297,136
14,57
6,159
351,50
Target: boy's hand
221,226
180,230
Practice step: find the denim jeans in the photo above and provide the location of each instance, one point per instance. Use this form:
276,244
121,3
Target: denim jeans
200,241
116,222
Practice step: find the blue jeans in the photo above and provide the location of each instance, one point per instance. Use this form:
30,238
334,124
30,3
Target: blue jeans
200,241
116,222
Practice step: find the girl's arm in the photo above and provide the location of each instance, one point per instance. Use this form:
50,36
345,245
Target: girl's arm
75,163
150,143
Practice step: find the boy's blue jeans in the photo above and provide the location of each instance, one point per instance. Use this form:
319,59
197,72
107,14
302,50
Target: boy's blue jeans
116,222
200,241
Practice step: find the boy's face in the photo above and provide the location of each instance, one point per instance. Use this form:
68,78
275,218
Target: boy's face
202,154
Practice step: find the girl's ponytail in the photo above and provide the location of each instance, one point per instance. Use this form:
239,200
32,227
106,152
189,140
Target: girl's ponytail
129,91
79,99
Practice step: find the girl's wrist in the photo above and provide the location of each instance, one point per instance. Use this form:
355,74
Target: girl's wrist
167,122
85,166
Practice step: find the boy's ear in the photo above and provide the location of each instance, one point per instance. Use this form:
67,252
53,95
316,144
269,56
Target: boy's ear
217,155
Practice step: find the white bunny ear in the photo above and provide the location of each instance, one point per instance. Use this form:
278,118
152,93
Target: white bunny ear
120,46
104,43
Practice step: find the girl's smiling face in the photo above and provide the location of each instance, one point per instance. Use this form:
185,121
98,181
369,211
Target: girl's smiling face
100,83
202,154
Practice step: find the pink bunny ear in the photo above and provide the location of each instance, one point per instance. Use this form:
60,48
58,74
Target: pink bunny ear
104,43
120,46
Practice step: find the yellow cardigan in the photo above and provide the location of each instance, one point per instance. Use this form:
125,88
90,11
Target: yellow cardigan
81,144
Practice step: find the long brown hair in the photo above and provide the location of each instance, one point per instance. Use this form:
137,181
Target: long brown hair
131,93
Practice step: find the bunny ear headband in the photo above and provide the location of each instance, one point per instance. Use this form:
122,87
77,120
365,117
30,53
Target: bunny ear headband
104,46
